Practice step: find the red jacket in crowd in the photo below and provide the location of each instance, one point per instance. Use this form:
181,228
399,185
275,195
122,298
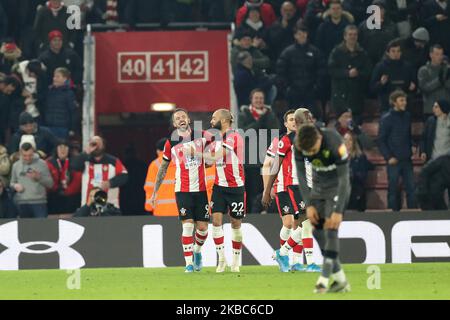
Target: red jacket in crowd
60,173
268,16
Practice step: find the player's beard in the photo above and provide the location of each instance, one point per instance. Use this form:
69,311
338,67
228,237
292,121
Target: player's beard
218,126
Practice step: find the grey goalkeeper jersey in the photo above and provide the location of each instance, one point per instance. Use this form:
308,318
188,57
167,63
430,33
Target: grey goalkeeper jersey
330,171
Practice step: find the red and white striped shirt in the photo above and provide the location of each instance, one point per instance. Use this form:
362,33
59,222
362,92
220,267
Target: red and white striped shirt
97,172
283,178
230,169
190,170
286,150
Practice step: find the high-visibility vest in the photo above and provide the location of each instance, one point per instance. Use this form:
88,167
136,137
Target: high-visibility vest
165,199
210,176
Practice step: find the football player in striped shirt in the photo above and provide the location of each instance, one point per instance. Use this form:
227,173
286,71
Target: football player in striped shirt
186,147
228,194
288,197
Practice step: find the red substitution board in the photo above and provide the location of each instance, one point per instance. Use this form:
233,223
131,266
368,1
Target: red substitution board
136,69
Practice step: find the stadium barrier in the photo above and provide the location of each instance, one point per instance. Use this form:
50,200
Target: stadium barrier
155,242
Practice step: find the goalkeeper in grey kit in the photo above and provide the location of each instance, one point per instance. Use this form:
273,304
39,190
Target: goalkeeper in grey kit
325,202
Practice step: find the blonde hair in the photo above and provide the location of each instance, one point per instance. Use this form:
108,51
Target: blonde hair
355,150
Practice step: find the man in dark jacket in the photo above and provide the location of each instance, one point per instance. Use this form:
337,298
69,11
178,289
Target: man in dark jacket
254,120
374,40
246,80
436,135
392,73
281,34
45,140
395,145
434,179
415,49
302,68
59,56
60,106
349,67
52,16
435,16
331,30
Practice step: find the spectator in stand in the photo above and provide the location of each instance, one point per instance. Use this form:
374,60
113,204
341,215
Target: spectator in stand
357,8
97,206
7,207
331,30
52,16
314,15
415,49
136,11
359,169
100,170
5,163
60,105
34,79
301,68
246,80
395,145
434,79
350,69
345,124
434,180
247,43
10,55
30,178
4,110
45,141
60,56
256,116
109,12
435,16
375,40
392,73
15,104
402,13
254,26
65,195
281,34
268,16
3,22
301,6
436,135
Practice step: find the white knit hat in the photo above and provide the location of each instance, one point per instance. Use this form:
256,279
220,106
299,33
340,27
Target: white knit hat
27,138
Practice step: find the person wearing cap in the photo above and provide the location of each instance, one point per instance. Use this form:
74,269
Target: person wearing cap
10,54
346,124
45,140
434,79
52,16
268,15
246,43
65,194
349,67
435,16
415,49
60,56
30,179
301,69
436,135
375,40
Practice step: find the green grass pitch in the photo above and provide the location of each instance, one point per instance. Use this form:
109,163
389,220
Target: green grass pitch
407,281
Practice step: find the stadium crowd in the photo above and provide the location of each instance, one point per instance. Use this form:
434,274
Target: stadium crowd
320,54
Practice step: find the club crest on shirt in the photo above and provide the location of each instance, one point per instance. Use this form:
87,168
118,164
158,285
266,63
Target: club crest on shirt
286,209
